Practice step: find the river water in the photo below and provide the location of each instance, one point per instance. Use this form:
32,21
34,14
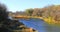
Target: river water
40,25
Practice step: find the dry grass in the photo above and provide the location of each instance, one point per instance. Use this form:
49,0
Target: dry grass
50,20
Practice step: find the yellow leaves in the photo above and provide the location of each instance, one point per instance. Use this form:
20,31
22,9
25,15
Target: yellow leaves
50,20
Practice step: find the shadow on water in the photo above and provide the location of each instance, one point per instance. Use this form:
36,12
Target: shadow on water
40,25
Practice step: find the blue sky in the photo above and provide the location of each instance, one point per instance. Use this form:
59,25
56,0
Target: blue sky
21,5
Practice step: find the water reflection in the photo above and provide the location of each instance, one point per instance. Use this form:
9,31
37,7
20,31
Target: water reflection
40,25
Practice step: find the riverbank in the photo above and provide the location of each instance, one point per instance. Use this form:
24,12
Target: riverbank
48,20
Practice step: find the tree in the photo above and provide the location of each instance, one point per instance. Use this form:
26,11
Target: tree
36,12
29,11
3,18
3,12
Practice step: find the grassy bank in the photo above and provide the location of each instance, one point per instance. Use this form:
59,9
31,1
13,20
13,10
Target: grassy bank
50,20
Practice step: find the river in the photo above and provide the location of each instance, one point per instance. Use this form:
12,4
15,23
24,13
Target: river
40,25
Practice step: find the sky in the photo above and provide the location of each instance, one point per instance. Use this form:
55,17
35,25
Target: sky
21,5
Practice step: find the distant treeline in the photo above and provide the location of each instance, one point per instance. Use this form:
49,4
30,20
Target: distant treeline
48,11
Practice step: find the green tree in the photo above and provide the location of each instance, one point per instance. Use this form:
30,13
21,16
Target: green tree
29,11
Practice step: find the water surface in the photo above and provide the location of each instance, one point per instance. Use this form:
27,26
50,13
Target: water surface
40,25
